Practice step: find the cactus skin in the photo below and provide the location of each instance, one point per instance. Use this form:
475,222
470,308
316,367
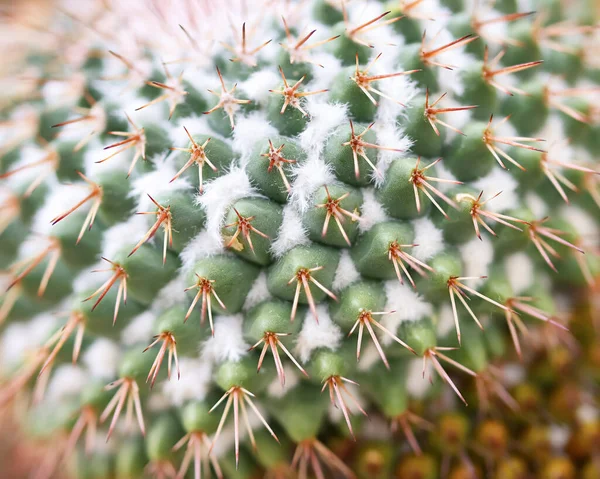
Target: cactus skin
321,231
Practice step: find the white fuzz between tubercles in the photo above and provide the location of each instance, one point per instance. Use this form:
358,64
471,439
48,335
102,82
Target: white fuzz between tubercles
218,195
157,184
513,374
445,321
418,384
123,235
324,118
407,304
28,155
258,292
584,224
196,376
536,204
323,77
140,329
345,273
203,245
313,335
477,256
58,200
443,173
228,342
172,293
371,211
257,86
67,381
389,135
336,415
291,380
290,234
308,178
101,358
428,238
64,93
95,152
20,339
369,356
450,80
520,272
499,181
196,125
250,130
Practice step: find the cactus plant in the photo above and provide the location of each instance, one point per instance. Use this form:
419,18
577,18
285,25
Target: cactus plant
222,250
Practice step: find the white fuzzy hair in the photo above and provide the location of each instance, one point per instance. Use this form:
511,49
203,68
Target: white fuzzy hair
407,305
498,180
520,272
275,390
204,244
389,135
67,381
257,86
428,238
218,195
94,152
64,93
513,374
585,224
172,293
308,178
371,211
369,355
123,234
291,232
101,359
156,183
258,293
20,339
417,383
536,204
477,256
445,320
345,273
324,118
228,342
140,329
196,376
324,76
313,335
196,125
250,130
29,154
59,199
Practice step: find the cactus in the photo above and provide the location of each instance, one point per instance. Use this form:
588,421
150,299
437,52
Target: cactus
223,250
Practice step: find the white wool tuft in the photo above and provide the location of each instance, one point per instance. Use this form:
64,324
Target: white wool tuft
123,235
418,384
536,204
257,86
139,330
258,292
428,238
251,129
512,374
443,173
587,413
585,225
172,293
157,402
196,125
346,272
389,135
308,178
324,76
313,335
195,382
324,118
228,342
477,256
407,304
95,152
369,356
559,436
156,183
204,244
335,414
28,155
219,194
67,381
445,324
499,180
492,32
520,272
290,234
19,339
101,359
458,119
371,211
151,115
275,390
